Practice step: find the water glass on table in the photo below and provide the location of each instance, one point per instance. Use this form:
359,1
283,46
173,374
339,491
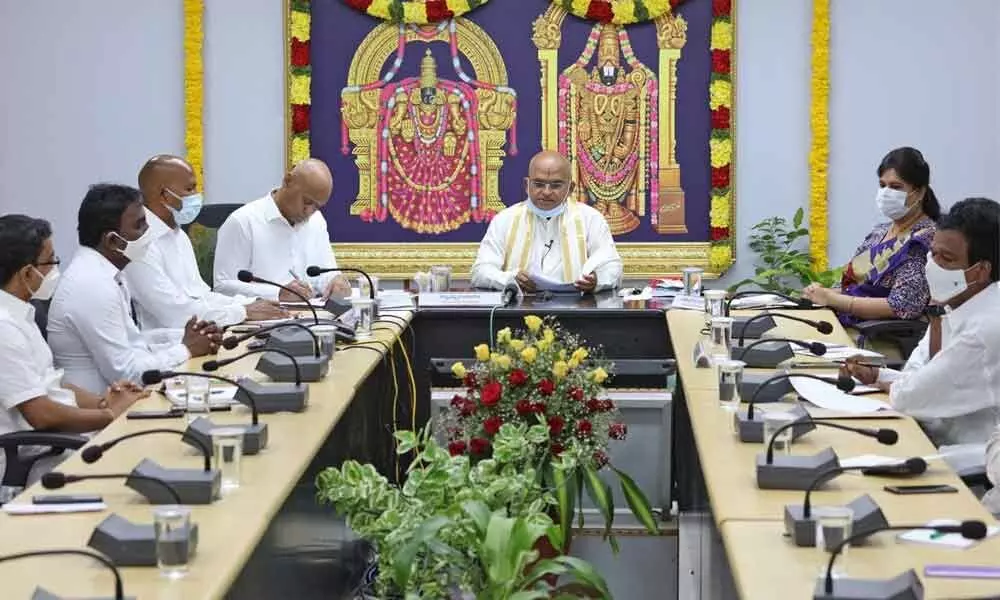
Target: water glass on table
172,532
773,421
440,278
198,391
833,526
364,289
692,280
730,379
364,309
720,339
715,304
227,453
327,335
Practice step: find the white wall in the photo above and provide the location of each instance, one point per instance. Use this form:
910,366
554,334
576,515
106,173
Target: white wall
105,94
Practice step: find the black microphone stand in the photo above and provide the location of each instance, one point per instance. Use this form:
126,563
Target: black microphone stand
43,593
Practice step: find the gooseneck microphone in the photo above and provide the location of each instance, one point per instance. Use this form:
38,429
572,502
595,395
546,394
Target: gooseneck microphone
235,340
911,466
154,377
970,530
509,295
213,365
248,277
817,348
54,480
844,383
887,437
119,587
800,303
314,271
92,454
823,327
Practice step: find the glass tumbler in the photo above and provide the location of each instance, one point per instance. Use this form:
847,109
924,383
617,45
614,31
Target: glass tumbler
227,452
327,335
715,304
364,290
773,421
720,339
440,278
364,309
692,280
730,378
833,526
172,533
196,398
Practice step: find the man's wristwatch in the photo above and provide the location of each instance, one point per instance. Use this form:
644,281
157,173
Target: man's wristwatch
935,310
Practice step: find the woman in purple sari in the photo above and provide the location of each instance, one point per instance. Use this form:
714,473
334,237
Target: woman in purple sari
885,279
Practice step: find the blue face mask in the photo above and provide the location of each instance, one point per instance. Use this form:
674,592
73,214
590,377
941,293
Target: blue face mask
547,214
190,207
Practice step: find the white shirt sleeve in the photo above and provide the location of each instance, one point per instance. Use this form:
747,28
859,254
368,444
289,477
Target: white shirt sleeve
19,377
993,458
603,255
102,328
487,271
233,249
320,254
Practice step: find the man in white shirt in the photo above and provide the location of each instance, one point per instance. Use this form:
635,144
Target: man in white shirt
951,383
91,329
548,238
278,237
165,283
32,393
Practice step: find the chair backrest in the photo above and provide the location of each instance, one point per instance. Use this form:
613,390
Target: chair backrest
203,232
42,316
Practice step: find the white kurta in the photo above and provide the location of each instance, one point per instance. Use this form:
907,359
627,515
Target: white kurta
167,287
256,237
562,248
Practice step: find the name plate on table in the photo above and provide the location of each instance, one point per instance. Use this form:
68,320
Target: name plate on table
460,299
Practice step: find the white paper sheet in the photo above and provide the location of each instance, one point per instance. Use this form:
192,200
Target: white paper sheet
689,303
828,396
760,300
221,395
954,540
45,509
316,302
547,284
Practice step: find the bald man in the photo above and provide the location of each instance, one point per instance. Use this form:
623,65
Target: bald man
548,238
165,283
278,236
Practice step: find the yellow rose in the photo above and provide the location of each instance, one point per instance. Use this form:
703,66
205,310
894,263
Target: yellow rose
517,345
559,369
529,354
534,323
300,25
503,336
720,93
573,363
503,361
543,344
458,370
548,334
722,35
562,354
599,375
300,149
299,92
482,352
580,354
721,150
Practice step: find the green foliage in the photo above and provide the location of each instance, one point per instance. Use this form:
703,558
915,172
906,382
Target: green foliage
784,265
203,242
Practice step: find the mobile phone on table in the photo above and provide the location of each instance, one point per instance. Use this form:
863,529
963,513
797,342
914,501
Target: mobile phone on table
170,413
66,499
920,489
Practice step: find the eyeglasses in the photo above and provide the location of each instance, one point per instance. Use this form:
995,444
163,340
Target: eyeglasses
48,263
539,185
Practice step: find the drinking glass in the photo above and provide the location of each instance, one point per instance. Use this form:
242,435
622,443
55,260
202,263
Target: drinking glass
440,278
833,526
364,309
227,451
364,290
172,532
720,340
692,281
327,335
715,304
773,421
196,399
730,378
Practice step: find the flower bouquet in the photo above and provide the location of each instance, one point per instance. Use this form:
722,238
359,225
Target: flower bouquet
546,375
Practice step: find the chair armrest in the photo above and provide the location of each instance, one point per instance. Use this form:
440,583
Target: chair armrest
18,467
892,327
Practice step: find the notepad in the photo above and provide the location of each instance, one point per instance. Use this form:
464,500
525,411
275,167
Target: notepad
47,509
828,396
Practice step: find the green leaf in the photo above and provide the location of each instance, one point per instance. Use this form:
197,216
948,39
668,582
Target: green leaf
637,502
600,494
797,219
496,551
478,512
565,491
402,562
585,572
535,595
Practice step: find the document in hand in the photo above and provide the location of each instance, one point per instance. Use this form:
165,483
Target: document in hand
826,395
547,284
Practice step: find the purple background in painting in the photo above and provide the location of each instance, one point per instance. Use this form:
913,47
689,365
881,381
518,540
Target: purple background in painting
338,30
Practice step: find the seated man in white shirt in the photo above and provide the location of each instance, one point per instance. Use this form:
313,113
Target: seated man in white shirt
278,237
165,283
951,383
32,393
548,237
91,329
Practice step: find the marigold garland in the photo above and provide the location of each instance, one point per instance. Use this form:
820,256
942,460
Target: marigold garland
415,12
619,12
299,80
194,142
721,142
819,152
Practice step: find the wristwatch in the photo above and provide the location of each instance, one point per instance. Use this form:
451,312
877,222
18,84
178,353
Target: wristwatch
935,310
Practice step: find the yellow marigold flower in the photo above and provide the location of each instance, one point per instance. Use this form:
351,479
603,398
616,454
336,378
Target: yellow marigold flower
534,323
300,25
722,35
300,149
517,345
299,92
721,151
482,352
458,370
599,375
529,354
720,93
560,368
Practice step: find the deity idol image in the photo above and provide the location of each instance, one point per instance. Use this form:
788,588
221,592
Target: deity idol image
437,144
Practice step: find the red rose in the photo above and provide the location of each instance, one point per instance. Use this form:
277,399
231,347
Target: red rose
468,408
584,428
492,425
600,10
609,405
595,405
720,118
523,407
722,8
538,407
720,233
721,62
300,53
457,447
556,449
556,425
437,10
300,118
517,377
457,401
617,431
576,393
600,459
470,380
546,387
490,394
479,446
359,4
720,177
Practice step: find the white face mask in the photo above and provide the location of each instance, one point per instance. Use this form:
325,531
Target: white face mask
48,286
136,249
892,203
944,284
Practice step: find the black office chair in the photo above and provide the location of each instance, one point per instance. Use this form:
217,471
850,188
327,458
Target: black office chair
18,466
905,334
203,232
42,316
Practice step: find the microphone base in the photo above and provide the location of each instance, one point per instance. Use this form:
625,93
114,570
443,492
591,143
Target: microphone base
752,431
44,594
129,544
280,368
756,330
765,356
254,436
292,340
791,472
274,397
906,586
194,486
774,392
867,517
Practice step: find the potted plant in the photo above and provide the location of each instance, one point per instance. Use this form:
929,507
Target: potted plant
545,374
457,527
